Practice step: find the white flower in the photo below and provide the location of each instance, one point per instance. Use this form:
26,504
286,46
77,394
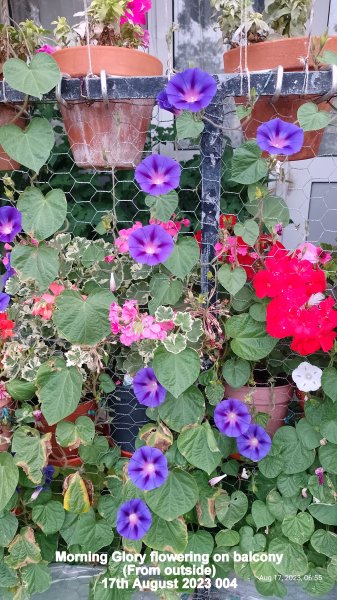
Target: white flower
315,299
307,377
216,480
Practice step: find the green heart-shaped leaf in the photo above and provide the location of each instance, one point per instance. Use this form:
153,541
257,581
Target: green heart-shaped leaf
83,321
40,76
38,264
310,118
42,215
29,147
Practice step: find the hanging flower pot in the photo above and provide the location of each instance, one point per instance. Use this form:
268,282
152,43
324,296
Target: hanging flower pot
267,399
263,56
107,134
67,457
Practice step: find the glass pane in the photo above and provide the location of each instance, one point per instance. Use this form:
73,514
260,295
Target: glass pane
45,11
196,42
49,11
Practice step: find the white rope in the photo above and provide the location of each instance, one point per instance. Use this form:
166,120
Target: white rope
307,58
87,30
240,43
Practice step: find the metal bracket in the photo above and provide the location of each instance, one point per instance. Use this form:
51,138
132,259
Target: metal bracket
278,86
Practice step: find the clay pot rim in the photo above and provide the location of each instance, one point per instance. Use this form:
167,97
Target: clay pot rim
262,385
291,64
97,49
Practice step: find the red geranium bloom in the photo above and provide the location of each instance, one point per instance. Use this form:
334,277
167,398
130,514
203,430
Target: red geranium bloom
6,327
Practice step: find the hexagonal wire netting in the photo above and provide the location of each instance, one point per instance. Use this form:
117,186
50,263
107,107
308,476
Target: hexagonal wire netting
108,200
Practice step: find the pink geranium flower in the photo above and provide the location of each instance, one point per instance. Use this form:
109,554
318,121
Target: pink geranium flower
122,241
44,305
132,326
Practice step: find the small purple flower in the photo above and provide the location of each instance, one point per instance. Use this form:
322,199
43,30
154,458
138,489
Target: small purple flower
4,301
157,174
279,137
10,223
232,417
147,388
6,261
148,468
133,519
164,103
192,90
48,473
150,245
319,472
255,443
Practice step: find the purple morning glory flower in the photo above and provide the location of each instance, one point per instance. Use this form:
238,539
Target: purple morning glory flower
192,90
163,102
10,223
279,137
133,519
255,443
148,468
6,261
4,301
48,473
157,174
232,417
150,245
147,388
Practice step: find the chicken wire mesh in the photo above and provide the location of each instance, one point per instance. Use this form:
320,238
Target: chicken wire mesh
103,201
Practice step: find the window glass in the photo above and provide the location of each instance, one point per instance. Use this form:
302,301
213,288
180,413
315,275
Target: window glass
197,43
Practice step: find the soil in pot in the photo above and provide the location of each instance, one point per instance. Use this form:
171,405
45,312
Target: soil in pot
66,457
108,134
127,417
269,55
7,115
267,399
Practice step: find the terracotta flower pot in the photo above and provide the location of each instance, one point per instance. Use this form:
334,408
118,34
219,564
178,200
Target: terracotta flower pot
7,114
113,134
66,457
269,55
266,399
6,435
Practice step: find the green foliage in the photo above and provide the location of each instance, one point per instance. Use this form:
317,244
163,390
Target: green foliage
185,256
232,279
176,372
189,125
59,389
42,215
311,119
249,337
38,264
30,147
38,77
9,477
83,320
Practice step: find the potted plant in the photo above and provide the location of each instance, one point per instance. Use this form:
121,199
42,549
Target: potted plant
137,306
113,134
272,39
19,42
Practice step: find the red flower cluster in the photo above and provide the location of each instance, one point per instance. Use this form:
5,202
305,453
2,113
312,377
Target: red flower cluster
6,327
298,308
